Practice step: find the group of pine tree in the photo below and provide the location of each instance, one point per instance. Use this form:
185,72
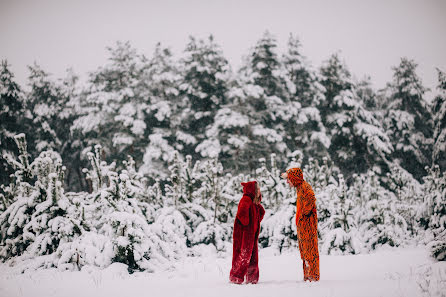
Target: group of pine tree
144,161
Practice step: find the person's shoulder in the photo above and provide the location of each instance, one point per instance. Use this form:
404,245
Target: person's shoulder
246,200
307,187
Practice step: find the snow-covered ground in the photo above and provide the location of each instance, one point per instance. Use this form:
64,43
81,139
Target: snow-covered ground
393,272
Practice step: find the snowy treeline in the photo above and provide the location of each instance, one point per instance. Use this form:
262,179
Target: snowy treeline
194,129
125,219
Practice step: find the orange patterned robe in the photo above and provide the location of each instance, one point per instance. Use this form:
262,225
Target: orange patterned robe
306,222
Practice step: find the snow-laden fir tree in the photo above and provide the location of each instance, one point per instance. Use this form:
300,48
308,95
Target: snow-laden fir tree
227,137
160,86
439,114
303,129
407,191
37,222
181,199
279,225
272,186
117,211
203,91
263,84
49,111
339,231
216,229
432,213
358,140
305,81
380,222
11,117
113,107
408,121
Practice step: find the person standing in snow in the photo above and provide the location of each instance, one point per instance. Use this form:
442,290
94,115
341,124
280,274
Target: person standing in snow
306,222
246,235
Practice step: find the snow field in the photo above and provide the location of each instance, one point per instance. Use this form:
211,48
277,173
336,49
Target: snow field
392,272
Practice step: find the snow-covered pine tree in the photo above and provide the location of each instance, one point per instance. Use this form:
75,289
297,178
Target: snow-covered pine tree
439,112
216,229
380,222
227,137
36,223
113,108
305,81
407,191
49,225
358,140
318,175
71,149
432,213
47,111
203,89
20,181
182,206
117,210
160,85
304,129
11,117
16,202
408,121
279,225
339,230
263,83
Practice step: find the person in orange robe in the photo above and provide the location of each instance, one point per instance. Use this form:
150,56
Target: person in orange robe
306,222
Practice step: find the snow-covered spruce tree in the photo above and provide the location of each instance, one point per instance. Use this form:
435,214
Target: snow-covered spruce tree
49,111
358,140
71,149
227,137
116,211
217,229
112,106
50,224
304,128
319,175
20,181
160,81
305,81
203,89
262,79
180,207
11,117
408,121
279,225
439,113
37,222
339,230
432,213
17,203
407,191
274,189
380,222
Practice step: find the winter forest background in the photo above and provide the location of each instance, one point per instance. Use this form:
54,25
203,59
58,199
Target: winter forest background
142,164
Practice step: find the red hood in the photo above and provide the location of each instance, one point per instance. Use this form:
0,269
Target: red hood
249,189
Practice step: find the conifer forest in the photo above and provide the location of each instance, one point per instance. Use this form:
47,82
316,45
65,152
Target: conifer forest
141,162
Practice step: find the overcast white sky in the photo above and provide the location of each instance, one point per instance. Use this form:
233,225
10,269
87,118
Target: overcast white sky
371,35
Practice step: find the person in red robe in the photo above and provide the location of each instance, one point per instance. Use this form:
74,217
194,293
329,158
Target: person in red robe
306,222
245,259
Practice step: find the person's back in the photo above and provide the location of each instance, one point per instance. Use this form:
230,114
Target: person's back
246,235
